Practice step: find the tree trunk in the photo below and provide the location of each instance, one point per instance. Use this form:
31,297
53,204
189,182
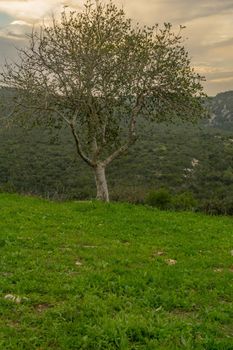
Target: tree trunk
101,183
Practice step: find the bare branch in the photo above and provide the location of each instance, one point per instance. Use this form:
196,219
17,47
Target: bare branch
79,147
44,109
132,128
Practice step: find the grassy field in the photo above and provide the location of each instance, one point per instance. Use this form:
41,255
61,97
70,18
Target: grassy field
84,275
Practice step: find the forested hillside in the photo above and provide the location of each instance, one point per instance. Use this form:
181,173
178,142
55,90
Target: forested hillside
181,157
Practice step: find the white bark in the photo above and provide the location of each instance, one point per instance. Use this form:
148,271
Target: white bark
101,183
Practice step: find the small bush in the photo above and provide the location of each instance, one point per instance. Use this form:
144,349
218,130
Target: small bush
7,187
160,199
184,201
217,206
228,203
213,206
134,195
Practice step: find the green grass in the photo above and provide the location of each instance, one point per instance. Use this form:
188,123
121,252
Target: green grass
89,277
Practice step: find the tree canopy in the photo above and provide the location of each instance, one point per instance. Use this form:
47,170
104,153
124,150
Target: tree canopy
97,72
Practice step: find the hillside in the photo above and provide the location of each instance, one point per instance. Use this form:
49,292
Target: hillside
163,156
222,110
84,275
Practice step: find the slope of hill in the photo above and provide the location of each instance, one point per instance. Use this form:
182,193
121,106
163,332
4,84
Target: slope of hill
222,110
182,157
84,275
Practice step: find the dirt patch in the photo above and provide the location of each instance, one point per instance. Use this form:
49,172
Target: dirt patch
42,307
159,253
183,313
13,324
171,262
219,269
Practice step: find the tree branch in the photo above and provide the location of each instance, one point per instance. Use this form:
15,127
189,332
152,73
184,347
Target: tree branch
131,134
48,109
71,124
78,146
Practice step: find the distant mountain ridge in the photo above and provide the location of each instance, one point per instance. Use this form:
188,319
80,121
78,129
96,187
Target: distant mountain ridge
222,109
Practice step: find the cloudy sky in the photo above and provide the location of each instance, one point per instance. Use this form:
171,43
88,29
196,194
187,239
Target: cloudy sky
209,29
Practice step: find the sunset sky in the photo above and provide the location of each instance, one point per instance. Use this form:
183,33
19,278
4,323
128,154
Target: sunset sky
209,29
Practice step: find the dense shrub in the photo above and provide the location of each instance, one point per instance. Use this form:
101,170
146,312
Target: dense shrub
229,206
160,199
217,206
184,201
135,195
212,206
7,187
